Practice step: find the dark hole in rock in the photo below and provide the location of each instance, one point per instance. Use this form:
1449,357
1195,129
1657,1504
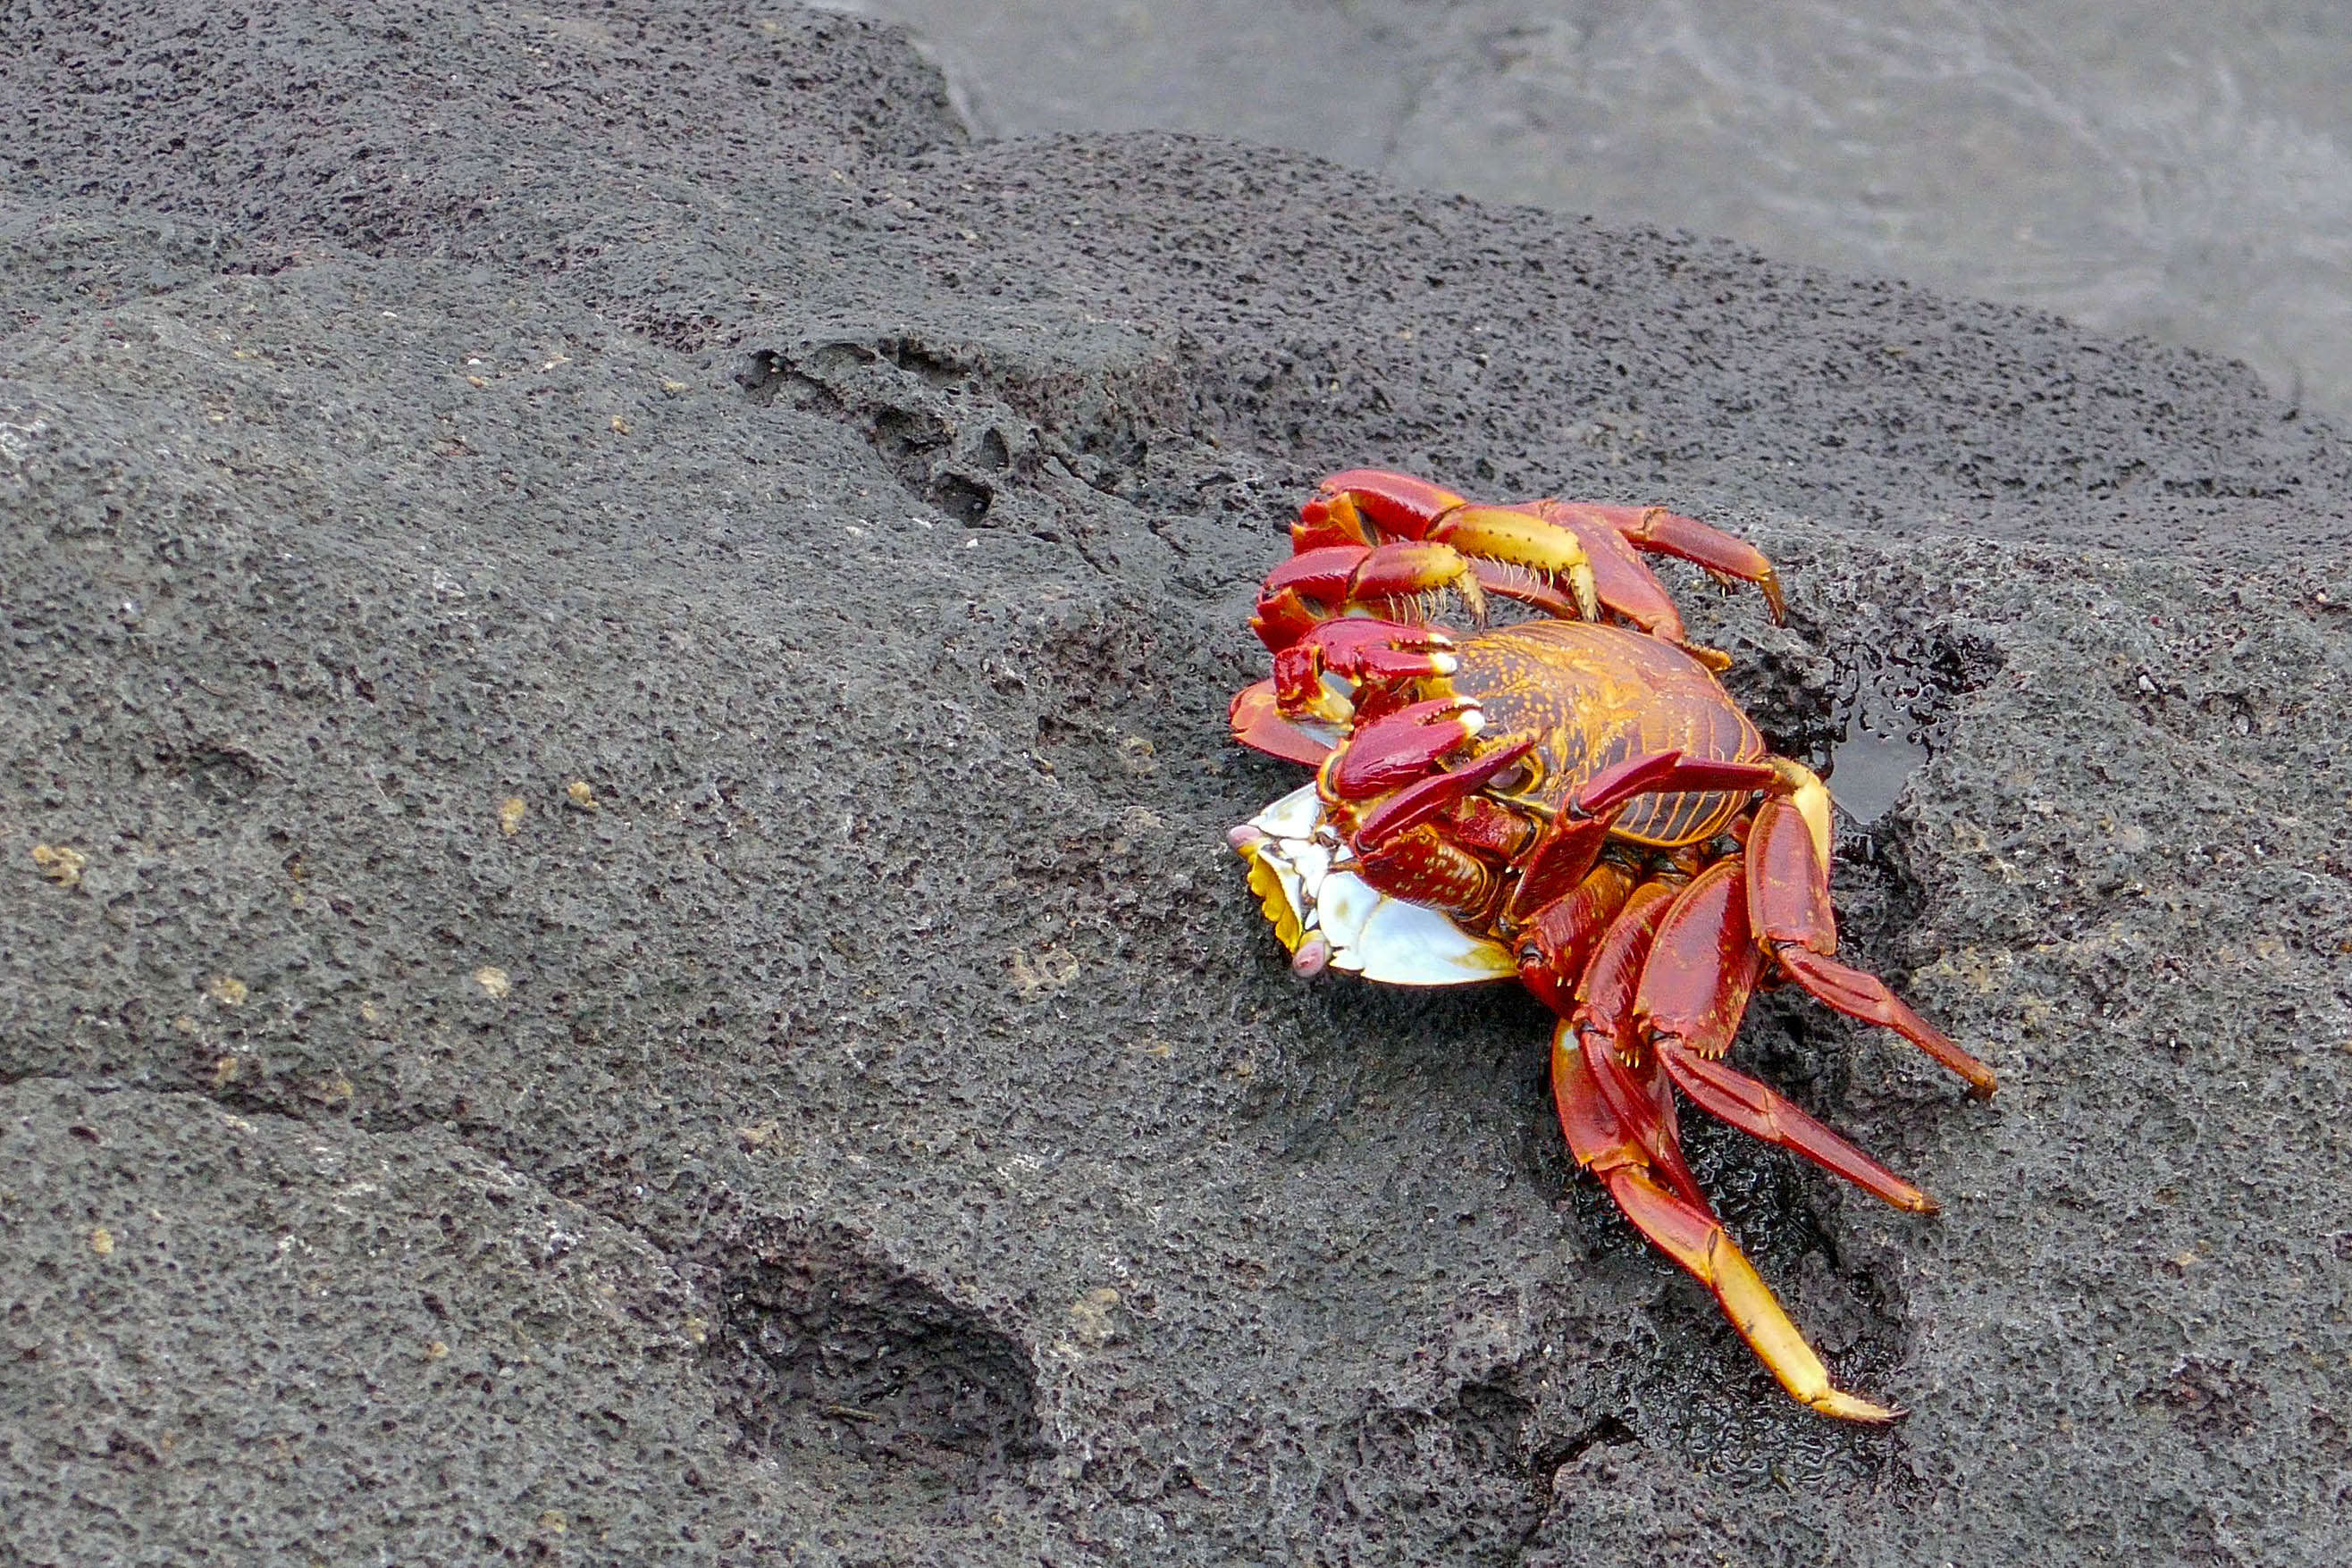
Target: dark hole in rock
758,375
965,499
940,368
902,434
218,772
838,1353
765,375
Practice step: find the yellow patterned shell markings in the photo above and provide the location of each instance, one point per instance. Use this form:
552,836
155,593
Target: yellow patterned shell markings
1598,696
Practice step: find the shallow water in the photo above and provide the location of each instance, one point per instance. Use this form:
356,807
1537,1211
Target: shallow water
2184,174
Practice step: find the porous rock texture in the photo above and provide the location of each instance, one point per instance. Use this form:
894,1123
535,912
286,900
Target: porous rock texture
616,935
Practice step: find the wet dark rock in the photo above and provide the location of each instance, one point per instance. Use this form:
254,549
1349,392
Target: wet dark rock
630,639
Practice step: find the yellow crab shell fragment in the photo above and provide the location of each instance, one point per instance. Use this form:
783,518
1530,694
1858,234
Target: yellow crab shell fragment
1326,915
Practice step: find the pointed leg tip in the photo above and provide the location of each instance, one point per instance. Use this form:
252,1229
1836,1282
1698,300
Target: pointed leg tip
1847,1407
1715,659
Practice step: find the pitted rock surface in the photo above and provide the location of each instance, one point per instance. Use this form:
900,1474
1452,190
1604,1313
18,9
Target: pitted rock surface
619,946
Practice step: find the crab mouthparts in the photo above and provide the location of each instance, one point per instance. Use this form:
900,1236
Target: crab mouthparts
1331,918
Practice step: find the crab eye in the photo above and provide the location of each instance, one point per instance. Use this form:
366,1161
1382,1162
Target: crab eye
1519,778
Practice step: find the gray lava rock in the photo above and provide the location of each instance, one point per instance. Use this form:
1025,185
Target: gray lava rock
619,943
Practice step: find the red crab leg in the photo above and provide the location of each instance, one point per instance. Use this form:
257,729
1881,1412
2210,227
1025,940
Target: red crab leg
1363,505
1691,994
1341,575
1257,723
1645,1173
1524,541
1733,1097
1861,995
1668,773
1690,1234
1703,967
1623,583
1602,1027
1612,1117
1573,840
1657,531
1395,504
1557,944
1788,903
1319,585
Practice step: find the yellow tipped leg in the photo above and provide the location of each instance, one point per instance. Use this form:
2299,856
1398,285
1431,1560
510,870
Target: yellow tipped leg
1681,1226
1696,1239
1497,533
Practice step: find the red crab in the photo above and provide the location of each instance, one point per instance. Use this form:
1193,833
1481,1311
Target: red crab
1573,800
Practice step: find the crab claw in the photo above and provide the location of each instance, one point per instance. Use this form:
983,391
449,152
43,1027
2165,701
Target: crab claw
1330,917
1357,649
1258,722
1399,747
1418,801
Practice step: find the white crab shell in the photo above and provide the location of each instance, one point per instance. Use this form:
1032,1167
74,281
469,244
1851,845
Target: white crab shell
1299,870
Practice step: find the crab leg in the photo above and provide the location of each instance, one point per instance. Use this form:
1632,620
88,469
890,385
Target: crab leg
1788,903
1620,580
1642,1169
1575,837
1668,773
1863,996
1363,506
1699,973
1257,722
1640,1112
1560,942
1359,504
1690,1234
1325,583
1527,541
1657,531
1733,1097
1703,967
